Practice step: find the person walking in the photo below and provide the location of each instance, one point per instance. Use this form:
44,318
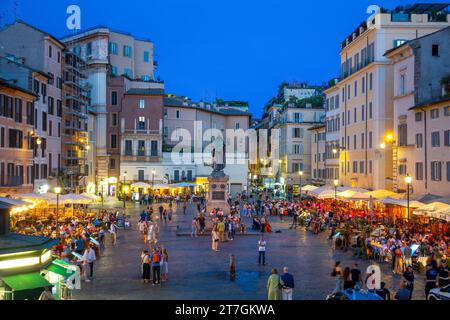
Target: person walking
113,232
262,251
145,266
273,285
221,229
215,239
444,273
356,275
194,228
165,265
156,267
88,260
431,277
408,275
287,284
337,273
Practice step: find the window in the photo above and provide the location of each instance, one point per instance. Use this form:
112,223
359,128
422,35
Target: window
354,142
141,148
114,98
435,50
296,132
51,105
166,132
355,167
362,140
348,92
419,170
402,85
348,117
343,119
113,48
402,169
127,51
30,113
178,114
399,42
447,138
356,88
363,85
141,123
370,166
419,140
141,176
18,110
434,113
418,116
146,56
176,175
361,167
447,111
145,78
128,72
50,128
89,49
362,112
77,50
113,141
112,163
435,139
402,134
154,148
448,170
237,125
370,110
370,81
128,147
436,171
141,104
15,138
59,108
114,119
114,71
355,115
44,121
50,51
370,140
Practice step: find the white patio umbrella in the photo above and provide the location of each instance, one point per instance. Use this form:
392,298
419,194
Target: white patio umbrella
140,185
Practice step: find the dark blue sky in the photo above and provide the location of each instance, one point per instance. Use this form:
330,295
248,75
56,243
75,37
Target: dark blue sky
232,49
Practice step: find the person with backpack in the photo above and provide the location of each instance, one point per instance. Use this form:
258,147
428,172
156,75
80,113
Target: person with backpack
156,267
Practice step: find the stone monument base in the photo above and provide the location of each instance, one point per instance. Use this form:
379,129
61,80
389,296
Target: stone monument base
218,193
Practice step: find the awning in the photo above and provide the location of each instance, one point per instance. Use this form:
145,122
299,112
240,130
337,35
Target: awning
26,281
59,269
182,185
382,194
402,202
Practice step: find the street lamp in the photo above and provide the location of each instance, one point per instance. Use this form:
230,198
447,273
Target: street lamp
123,189
336,182
153,177
408,181
300,173
57,191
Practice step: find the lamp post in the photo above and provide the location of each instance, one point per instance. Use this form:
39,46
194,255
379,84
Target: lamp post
336,182
300,173
153,177
408,180
57,191
123,189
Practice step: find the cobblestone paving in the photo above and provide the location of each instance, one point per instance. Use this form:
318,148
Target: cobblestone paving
196,272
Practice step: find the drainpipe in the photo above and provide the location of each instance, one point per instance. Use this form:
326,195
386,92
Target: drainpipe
426,146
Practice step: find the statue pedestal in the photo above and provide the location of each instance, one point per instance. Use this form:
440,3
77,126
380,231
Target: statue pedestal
218,193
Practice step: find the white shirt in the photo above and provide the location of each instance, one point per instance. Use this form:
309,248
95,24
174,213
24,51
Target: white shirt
89,256
262,245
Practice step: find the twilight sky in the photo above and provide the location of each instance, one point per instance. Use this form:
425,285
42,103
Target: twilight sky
232,49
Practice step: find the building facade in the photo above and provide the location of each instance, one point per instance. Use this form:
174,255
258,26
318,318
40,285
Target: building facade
16,143
366,93
318,155
422,113
42,52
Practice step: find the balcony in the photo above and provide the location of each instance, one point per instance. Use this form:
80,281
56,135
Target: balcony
142,132
136,158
